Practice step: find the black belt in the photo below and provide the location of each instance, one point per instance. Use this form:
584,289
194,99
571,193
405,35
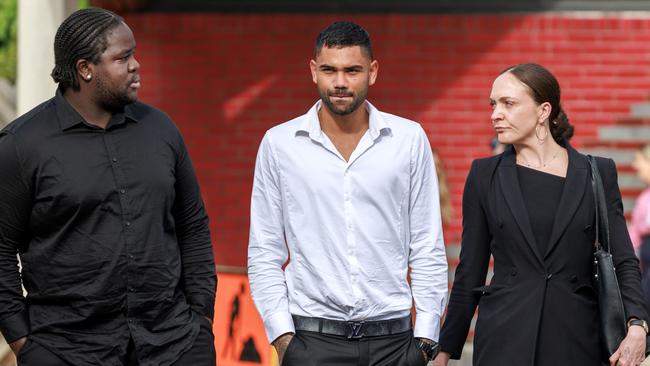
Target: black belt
352,329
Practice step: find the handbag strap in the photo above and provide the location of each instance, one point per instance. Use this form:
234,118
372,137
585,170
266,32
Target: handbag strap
602,222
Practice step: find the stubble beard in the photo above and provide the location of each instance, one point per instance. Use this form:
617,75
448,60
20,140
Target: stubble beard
357,101
113,100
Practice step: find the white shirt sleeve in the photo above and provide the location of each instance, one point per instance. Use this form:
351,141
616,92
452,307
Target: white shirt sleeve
427,259
267,249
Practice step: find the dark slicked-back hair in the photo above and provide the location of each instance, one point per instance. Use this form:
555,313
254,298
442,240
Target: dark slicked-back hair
544,87
81,36
343,34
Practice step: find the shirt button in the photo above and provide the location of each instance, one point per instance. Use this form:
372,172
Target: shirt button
131,256
131,289
548,276
122,191
128,223
114,159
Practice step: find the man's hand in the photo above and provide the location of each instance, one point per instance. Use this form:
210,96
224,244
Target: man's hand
281,343
426,357
17,345
631,352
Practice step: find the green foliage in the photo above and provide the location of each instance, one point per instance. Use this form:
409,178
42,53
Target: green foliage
8,31
8,15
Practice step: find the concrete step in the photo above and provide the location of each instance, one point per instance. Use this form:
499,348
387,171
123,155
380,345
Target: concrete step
639,133
620,156
628,180
628,204
640,110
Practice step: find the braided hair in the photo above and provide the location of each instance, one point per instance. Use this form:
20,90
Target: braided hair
81,36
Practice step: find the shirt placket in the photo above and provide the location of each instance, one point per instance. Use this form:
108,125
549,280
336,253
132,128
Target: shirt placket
117,166
348,211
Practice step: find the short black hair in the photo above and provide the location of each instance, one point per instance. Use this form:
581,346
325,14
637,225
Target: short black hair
82,35
343,34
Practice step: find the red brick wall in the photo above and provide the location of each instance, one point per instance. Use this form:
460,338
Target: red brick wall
225,79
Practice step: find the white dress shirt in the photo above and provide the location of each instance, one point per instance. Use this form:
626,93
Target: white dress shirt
351,228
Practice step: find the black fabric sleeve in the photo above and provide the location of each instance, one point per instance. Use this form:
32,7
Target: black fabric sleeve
625,261
193,232
471,271
15,208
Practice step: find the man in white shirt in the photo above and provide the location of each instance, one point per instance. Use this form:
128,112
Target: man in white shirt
350,195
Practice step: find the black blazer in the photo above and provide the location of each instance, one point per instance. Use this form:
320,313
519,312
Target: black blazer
539,308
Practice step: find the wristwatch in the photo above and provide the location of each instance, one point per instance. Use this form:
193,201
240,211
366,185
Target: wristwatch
429,349
639,322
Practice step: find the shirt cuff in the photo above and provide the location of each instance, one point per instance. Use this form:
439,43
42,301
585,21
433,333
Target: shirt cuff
278,324
15,326
427,326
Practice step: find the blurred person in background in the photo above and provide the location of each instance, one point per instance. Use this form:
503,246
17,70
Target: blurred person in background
497,147
100,200
446,208
640,223
532,209
350,194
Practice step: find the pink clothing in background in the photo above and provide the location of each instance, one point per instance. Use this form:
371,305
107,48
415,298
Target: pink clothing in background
640,225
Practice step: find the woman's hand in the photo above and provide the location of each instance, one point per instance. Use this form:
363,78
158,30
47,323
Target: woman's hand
442,359
631,352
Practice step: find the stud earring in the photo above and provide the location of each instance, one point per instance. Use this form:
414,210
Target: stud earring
88,77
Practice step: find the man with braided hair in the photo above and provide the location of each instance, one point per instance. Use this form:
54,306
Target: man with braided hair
100,201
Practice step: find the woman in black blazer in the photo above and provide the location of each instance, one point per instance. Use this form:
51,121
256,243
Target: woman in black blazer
532,209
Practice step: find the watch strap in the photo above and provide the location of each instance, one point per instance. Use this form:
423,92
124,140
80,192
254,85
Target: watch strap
640,322
431,349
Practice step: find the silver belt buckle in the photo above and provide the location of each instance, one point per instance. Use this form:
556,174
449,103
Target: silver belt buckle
354,330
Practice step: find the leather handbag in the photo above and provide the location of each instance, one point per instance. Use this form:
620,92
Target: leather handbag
612,313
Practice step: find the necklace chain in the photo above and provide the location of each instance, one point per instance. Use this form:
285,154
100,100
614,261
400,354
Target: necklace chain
543,165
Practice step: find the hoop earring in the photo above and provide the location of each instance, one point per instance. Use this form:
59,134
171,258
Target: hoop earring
539,139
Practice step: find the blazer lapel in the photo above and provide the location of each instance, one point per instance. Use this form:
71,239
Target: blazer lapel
509,180
575,185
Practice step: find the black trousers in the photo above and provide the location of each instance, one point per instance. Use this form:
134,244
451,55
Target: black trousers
202,352
316,349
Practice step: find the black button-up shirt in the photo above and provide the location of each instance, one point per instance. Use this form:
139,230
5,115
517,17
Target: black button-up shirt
112,234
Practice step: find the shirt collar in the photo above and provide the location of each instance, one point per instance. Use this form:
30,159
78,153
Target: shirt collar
69,117
311,124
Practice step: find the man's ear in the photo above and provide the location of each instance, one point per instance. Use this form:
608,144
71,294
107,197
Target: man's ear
374,71
85,69
313,67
